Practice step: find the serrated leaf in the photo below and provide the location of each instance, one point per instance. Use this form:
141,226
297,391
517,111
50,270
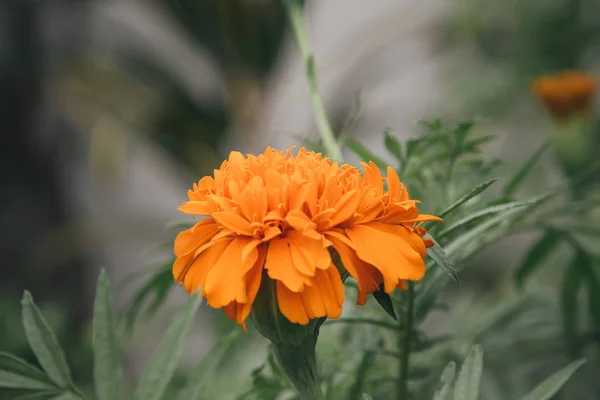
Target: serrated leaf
363,153
517,180
445,390
44,344
207,370
393,145
551,385
160,369
385,302
473,144
16,373
537,254
468,241
412,145
436,252
482,213
467,197
462,130
469,377
107,357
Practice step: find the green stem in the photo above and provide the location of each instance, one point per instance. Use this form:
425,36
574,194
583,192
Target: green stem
296,15
404,343
299,362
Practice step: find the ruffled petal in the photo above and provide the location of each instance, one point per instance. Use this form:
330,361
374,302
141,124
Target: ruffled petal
225,281
194,277
280,266
323,299
390,253
367,276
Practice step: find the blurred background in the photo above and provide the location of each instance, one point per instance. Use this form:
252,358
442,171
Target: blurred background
109,110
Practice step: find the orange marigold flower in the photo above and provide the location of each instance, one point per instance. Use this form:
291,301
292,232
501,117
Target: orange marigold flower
276,217
566,94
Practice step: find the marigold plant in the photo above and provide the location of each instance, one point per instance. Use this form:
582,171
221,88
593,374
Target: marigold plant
285,215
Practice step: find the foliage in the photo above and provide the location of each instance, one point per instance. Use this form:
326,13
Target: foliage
360,352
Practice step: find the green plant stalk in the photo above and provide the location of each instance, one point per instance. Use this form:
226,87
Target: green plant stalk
299,362
404,343
296,15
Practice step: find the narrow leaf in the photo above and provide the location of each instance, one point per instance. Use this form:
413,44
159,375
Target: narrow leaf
44,344
537,254
356,390
385,302
66,396
393,145
551,385
513,185
445,390
467,197
571,286
462,131
107,358
469,377
16,373
436,252
207,370
482,213
160,369
363,153
45,395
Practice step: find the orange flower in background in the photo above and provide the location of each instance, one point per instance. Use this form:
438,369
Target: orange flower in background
277,216
566,94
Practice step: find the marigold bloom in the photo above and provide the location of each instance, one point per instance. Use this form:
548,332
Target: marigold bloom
277,216
566,94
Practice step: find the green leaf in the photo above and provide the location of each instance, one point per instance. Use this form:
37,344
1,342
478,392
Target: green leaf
44,344
207,370
439,256
551,385
160,369
469,377
66,396
364,154
515,183
537,254
482,213
393,145
45,395
462,130
571,286
467,197
16,373
156,287
413,146
385,302
445,390
356,390
107,357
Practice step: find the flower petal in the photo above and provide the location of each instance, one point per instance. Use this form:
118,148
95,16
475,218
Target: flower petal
234,222
323,299
291,305
367,276
194,276
390,253
280,266
225,281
